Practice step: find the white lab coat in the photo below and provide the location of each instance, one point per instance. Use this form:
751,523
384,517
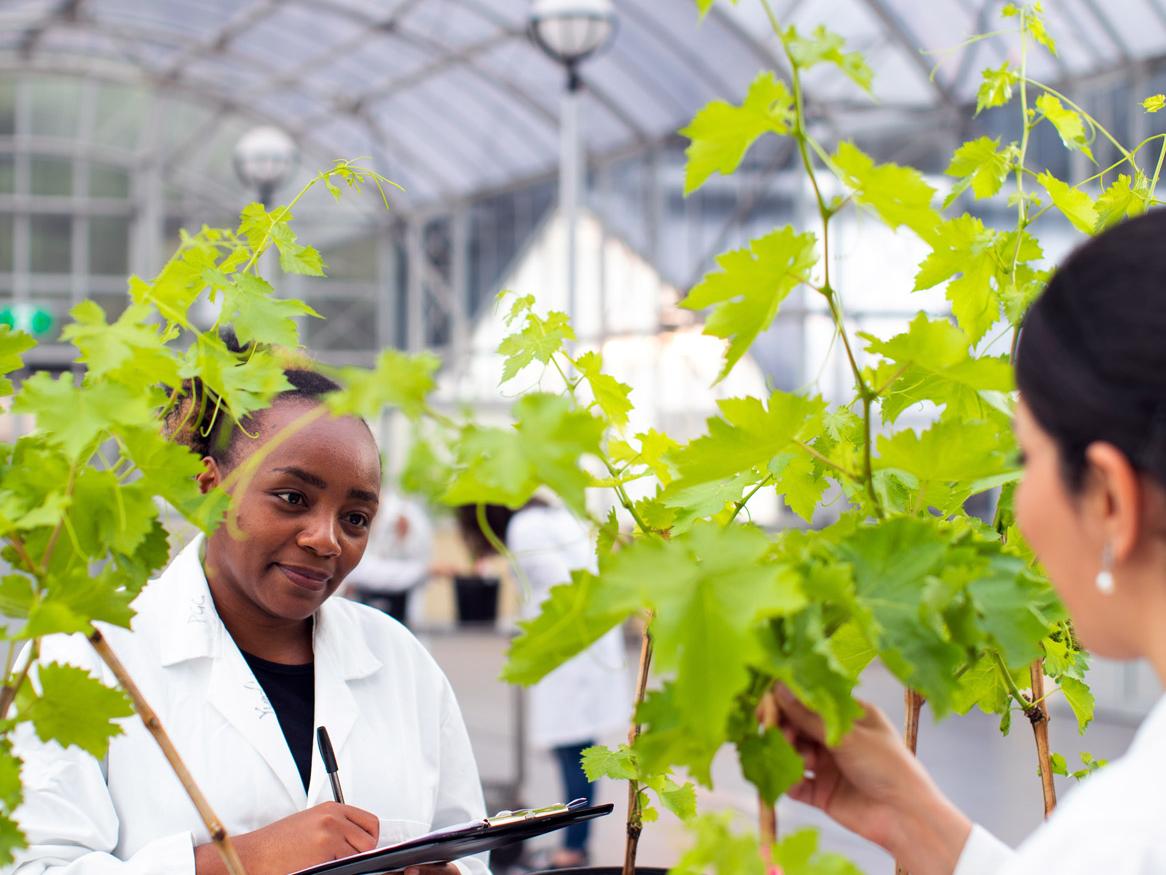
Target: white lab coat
399,739
587,696
1114,823
394,562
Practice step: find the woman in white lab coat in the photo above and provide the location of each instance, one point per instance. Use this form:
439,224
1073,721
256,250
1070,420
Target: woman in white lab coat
242,653
586,697
1091,424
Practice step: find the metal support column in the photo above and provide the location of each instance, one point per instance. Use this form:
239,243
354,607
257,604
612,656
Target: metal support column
415,339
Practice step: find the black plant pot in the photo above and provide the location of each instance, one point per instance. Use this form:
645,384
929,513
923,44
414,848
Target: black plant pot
477,599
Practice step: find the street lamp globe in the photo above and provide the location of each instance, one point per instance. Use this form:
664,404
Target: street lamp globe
264,158
571,30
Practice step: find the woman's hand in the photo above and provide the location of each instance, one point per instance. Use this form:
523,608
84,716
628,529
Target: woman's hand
319,834
872,785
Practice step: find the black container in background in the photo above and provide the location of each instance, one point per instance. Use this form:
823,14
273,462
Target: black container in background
477,599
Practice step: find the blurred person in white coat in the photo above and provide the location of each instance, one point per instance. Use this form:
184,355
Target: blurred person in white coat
398,558
242,652
586,697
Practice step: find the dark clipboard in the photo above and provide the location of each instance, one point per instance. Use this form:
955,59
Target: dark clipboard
449,844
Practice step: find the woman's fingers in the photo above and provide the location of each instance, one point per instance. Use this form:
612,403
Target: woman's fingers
793,712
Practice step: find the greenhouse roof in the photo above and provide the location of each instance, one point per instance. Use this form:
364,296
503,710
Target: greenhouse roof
452,99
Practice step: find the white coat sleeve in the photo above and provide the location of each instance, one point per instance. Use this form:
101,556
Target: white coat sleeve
68,816
459,790
983,854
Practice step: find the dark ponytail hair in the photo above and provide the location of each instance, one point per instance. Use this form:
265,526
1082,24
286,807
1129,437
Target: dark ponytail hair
194,422
498,518
1091,364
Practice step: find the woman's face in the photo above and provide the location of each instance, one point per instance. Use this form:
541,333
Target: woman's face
305,515
1066,538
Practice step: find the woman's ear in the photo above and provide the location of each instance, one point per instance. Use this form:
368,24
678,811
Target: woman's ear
211,475
1115,497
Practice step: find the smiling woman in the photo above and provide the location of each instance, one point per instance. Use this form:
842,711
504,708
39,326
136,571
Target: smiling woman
242,654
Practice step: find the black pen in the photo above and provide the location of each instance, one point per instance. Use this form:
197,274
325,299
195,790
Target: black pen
329,758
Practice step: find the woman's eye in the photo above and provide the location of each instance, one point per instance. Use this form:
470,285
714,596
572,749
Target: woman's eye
293,498
359,520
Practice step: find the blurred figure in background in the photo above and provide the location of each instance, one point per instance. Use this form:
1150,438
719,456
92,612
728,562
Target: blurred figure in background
397,560
585,698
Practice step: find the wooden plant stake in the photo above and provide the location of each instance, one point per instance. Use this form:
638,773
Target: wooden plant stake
635,819
769,713
1038,716
214,826
912,708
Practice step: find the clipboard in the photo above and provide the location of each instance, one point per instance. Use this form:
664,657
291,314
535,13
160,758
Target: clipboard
464,840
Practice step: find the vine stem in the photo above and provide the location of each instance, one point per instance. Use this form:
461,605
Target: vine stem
635,820
218,832
770,714
912,707
1038,716
11,688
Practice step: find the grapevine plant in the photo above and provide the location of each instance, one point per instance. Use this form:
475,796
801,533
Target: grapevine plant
80,494
954,606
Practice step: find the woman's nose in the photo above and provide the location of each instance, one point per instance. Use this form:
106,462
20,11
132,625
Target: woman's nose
319,536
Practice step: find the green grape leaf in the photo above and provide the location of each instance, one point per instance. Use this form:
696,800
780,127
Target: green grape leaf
722,133
539,339
964,246
74,708
1076,205
894,562
798,854
573,617
603,762
693,502
708,589
108,514
680,799
1154,103
16,596
181,280
610,394
424,473
851,648
167,469
982,685
506,466
262,228
258,316
1080,699
13,345
996,89
946,460
1122,200
718,850
1034,25
74,419
800,481
899,195
769,763
1009,600
1067,121
132,350
932,361
826,47
982,165
244,385
12,838
399,380
748,433
11,790
749,286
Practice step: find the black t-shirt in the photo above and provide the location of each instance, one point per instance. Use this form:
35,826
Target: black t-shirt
291,689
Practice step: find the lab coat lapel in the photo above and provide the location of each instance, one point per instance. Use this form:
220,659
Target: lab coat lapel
194,630
341,656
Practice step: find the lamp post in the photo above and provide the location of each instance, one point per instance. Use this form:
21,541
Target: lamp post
570,31
264,159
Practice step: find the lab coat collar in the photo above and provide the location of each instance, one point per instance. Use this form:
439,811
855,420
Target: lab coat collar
192,630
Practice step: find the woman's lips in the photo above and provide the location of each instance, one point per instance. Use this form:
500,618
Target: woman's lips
305,578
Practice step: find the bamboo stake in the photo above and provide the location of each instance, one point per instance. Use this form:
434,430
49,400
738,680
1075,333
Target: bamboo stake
912,707
214,826
635,818
1038,715
770,714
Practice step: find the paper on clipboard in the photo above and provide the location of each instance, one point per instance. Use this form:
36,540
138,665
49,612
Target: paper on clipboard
464,840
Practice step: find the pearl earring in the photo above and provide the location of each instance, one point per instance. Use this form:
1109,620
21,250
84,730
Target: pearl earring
1105,575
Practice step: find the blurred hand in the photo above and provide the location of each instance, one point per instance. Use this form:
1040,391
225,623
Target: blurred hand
872,785
319,834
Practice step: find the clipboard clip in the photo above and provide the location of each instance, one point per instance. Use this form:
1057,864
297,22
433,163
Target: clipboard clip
525,814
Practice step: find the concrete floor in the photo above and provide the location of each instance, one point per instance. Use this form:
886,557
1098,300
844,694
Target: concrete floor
993,778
